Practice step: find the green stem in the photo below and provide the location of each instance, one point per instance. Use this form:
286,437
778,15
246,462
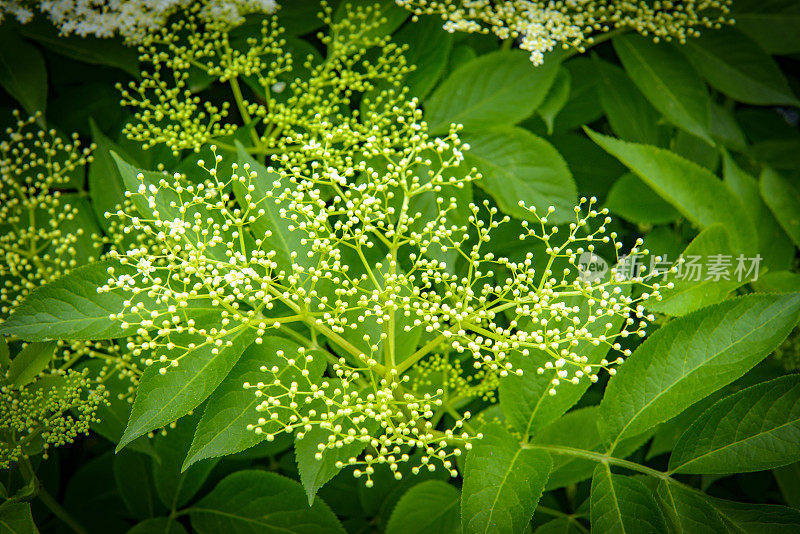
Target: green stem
599,457
28,474
414,358
60,512
237,95
254,149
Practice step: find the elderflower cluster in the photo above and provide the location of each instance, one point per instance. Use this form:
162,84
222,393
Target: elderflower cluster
348,253
131,19
541,26
350,231
40,241
287,113
50,412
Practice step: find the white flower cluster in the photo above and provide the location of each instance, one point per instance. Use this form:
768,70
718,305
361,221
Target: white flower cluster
542,26
131,19
345,248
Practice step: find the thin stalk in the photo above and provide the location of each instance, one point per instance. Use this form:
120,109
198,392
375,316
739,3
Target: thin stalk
237,95
599,457
53,505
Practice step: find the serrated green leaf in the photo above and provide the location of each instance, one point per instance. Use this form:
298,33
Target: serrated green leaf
71,307
746,518
773,243
31,361
158,525
733,63
503,482
755,429
162,399
556,99
497,89
223,428
16,518
174,485
133,473
622,504
634,200
629,113
783,200
315,473
696,288
257,501
693,356
688,511
519,166
693,190
668,81
526,401
430,507
22,71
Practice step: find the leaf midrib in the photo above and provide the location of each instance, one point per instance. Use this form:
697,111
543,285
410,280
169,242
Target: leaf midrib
660,84
500,489
691,371
737,442
178,393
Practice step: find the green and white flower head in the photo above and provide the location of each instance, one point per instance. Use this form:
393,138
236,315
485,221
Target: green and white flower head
361,269
543,26
39,243
130,19
50,412
346,242
291,112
